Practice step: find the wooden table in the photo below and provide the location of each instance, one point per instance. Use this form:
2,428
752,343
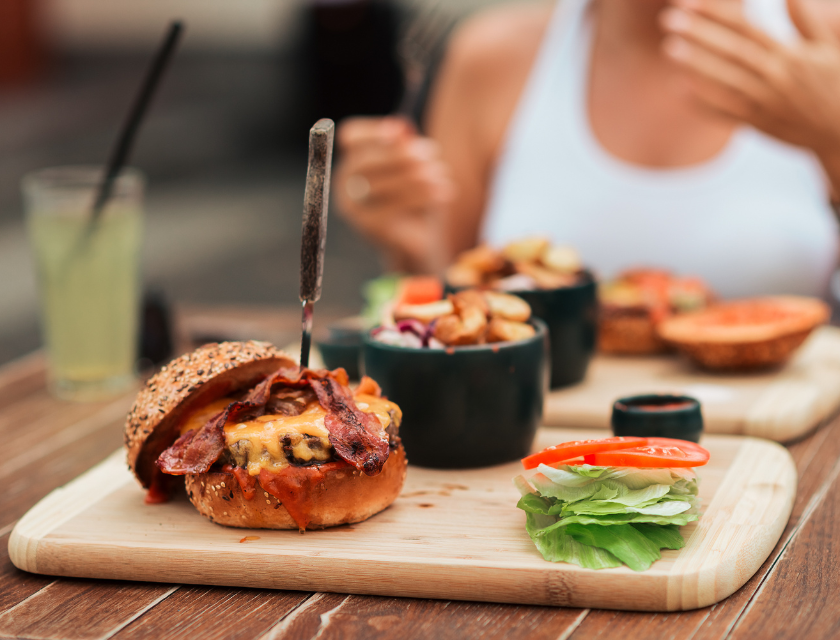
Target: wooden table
47,442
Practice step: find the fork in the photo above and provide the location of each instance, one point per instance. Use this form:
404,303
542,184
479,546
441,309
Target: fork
417,51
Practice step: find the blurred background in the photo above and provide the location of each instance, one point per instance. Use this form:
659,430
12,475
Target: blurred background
224,144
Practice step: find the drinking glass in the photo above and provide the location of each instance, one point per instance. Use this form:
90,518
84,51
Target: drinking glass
88,277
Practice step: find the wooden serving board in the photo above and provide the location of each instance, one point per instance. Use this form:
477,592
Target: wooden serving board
782,404
451,535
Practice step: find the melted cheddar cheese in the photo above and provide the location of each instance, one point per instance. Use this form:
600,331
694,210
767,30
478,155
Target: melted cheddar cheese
200,416
259,444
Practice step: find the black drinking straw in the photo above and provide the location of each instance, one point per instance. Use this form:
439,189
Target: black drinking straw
128,134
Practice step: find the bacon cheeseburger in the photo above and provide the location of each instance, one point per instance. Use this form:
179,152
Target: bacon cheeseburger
264,444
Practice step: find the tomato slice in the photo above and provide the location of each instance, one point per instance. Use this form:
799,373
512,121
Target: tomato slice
420,290
658,452
569,450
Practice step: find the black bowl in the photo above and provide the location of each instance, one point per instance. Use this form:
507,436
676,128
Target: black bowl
343,347
571,315
337,353
658,416
464,407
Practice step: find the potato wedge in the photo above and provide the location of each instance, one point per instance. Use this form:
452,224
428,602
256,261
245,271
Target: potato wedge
424,312
507,306
526,250
483,258
463,329
561,258
501,330
544,277
463,275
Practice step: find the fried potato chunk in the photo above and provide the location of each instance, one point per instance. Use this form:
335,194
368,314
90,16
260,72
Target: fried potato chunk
526,250
544,277
424,312
482,258
468,323
562,259
463,275
507,306
501,330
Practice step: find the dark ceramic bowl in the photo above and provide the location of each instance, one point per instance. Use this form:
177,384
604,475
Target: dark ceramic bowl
343,347
337,354
571,314
658,416
464,407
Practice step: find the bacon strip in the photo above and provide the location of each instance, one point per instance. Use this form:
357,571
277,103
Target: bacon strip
197,451
354,434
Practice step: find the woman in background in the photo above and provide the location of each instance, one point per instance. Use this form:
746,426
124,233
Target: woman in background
699,135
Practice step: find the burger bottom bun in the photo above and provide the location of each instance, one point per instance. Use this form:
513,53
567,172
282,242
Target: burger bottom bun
344,495
627,334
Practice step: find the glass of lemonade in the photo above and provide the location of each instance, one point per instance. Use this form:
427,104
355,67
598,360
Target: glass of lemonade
89,277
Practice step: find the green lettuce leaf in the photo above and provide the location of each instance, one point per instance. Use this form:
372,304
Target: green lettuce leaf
627,544
599,517
561,547
680,519
667,537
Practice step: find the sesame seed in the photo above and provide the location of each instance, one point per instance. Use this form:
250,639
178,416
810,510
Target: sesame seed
223,484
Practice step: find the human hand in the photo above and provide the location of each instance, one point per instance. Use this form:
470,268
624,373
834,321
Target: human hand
394,187
788,90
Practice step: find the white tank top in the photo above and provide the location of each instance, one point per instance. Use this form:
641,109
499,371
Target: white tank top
753,220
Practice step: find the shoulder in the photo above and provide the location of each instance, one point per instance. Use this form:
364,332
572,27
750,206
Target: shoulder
499,38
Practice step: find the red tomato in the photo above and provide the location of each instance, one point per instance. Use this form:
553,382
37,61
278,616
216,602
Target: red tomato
658,452
420,290
569,450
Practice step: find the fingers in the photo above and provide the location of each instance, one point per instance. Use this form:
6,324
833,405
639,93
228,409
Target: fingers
807,23
717,70
723,41
393,157
354,132
730,14
388,165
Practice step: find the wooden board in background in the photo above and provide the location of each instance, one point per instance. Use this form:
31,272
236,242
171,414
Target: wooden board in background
451,535
782,405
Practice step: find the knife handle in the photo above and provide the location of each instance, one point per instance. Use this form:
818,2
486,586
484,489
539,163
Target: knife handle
315,203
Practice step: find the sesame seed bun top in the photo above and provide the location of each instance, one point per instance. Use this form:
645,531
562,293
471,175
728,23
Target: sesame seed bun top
187,383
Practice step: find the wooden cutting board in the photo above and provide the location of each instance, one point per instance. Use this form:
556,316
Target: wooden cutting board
451,534
782,405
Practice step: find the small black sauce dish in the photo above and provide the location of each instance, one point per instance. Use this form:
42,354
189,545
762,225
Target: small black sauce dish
658,416
463,407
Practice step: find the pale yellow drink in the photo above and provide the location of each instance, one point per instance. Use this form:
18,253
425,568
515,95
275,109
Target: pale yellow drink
89,278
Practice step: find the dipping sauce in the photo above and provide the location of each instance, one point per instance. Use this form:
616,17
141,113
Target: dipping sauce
658,416
667,406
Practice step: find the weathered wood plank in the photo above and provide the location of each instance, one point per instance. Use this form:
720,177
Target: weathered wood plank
335,616
55,464
27,441
16,585
80,609
801,595
213,613
21,378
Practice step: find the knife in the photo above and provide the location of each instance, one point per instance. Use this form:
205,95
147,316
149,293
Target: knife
314,238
